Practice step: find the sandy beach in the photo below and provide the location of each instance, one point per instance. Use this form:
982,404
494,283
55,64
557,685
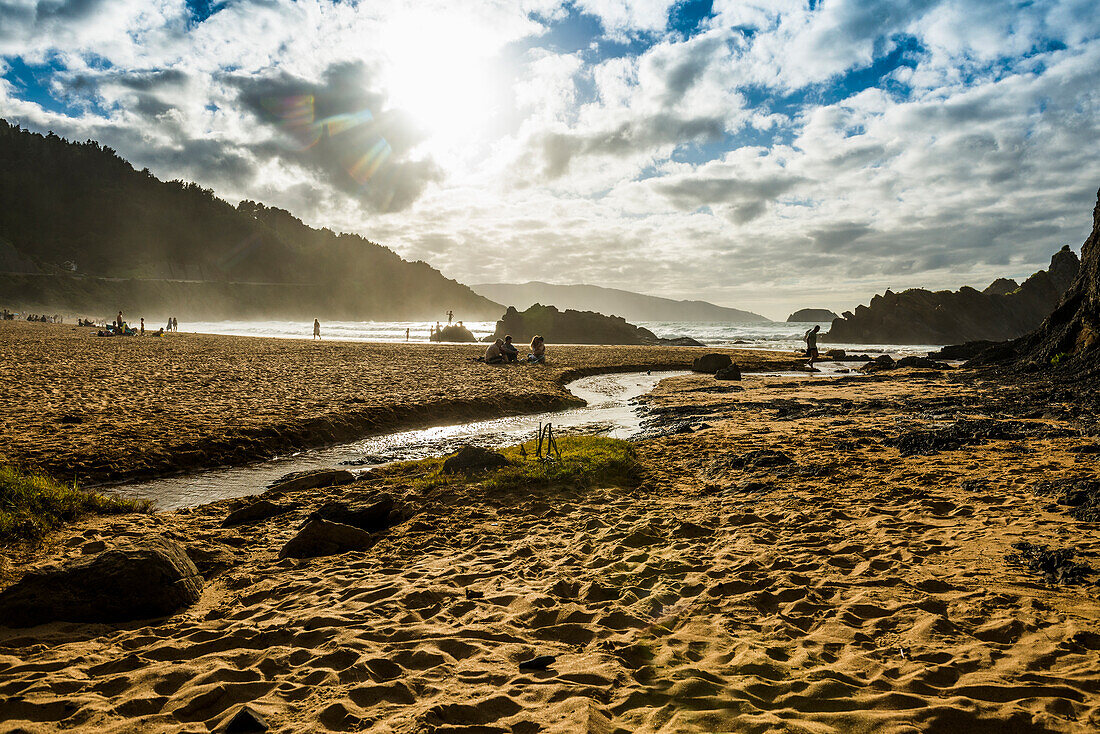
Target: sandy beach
99,409
801,555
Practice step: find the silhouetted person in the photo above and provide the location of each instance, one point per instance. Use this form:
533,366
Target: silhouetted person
316,329
493,353
142,331
450,316
175,324
811,345
118,321
508,350
169,327
406,334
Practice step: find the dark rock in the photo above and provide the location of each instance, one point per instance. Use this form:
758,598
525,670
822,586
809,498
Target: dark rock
925,442
454,333
819,315
369,460
922,363
246,721
711,363
569,327
918,316
1082,495
378,513
970,350
323,538
728,373
1001,287
680,341
879,364
541,662
1056,564
152,579
470,459
254,512
838,355
313,479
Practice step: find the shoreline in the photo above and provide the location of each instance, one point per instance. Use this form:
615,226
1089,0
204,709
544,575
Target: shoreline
189,402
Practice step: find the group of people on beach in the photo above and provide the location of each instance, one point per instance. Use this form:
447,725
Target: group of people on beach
502,351
36,317
119,327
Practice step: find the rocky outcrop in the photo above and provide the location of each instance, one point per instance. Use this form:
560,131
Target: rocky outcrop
454,333
569,327
917,316
152,579
1068,341
373,514
819,315
310,479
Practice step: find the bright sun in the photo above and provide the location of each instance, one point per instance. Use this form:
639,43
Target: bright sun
442,74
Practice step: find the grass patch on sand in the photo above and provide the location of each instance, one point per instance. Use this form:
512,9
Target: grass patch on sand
586,461
33,504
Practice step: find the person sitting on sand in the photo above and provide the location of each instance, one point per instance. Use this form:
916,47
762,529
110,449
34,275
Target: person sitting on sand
118,321
494,354
810,337
538,351
316,329
508,350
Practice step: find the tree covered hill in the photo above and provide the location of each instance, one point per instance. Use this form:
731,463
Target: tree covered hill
76,218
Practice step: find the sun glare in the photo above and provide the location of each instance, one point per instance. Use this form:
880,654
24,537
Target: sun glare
441,72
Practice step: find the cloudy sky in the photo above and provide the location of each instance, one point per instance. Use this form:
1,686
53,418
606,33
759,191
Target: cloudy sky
763,155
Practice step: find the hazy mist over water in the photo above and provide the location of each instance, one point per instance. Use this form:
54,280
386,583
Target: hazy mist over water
765,335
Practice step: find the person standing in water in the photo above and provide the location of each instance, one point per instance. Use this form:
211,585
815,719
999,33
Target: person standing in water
810,337
316,329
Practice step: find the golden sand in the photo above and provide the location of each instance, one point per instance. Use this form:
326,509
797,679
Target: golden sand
76,405
852,590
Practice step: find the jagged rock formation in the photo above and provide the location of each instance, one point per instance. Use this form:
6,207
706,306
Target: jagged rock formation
820,315
454,333
570,327
918,316
1068,341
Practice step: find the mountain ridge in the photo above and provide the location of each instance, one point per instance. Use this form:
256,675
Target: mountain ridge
631,306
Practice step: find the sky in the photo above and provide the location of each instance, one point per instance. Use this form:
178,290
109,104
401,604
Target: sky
762,155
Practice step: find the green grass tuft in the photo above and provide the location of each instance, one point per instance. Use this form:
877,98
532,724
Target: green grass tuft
586,461
33,504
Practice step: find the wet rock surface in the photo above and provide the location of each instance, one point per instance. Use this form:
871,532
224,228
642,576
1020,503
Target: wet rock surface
711,363
313,479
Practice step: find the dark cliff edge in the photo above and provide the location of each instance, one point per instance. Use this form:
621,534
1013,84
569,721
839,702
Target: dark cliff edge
576,327
1001,312
1067,343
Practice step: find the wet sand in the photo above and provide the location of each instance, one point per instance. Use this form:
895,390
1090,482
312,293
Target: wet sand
111,408
782,568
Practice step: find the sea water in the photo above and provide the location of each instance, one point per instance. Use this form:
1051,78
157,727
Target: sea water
776,335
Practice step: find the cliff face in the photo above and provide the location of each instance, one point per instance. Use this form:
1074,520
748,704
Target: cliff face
999,313
1068,341
570,327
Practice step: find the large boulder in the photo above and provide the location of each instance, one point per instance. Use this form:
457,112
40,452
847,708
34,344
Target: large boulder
810,315
569,327
454,333
470,459
151,579
320,537
711,363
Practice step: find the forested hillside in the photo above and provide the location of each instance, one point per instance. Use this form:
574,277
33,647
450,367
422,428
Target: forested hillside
76,216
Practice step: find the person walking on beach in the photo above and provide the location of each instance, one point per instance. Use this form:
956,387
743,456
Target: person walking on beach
142,332
175,324
316,329
406,334
810,337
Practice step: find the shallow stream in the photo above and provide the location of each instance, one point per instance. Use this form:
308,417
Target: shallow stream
610,411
